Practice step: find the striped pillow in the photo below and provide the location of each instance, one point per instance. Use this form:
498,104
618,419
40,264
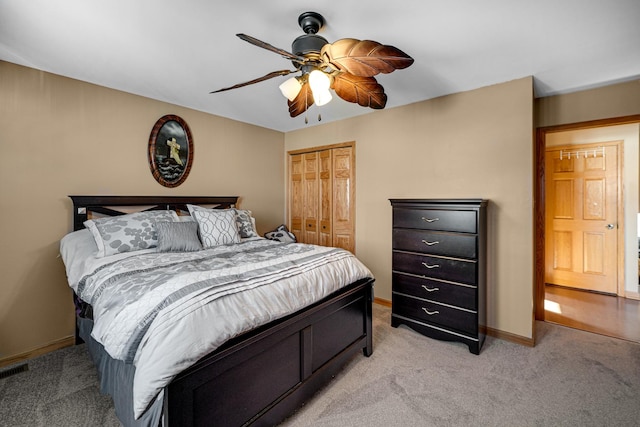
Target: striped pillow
178,237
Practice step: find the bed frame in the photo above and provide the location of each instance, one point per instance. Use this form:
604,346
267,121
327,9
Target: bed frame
260,377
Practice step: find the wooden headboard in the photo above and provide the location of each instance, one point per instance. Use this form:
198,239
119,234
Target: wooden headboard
105,205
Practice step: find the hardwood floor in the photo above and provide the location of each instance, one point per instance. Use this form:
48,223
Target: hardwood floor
603,314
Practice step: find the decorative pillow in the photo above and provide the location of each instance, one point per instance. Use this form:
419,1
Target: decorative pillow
126,233
244,221
178,236
216,226
281,234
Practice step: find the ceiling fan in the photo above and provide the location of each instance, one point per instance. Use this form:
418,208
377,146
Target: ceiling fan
347,66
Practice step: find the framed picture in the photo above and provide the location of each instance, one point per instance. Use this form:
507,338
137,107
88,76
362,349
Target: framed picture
170,151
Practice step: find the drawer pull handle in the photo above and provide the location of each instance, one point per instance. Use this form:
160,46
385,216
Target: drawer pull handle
430,243
430,313
430,289
430,220
431,266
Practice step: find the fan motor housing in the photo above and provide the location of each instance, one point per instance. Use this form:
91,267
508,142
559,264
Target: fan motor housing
308,43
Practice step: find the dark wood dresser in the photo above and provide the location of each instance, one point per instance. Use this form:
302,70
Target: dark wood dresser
439,268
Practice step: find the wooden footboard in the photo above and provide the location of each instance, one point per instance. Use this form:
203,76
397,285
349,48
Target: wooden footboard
263,376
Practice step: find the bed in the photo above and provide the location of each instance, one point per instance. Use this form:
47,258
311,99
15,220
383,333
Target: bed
250,372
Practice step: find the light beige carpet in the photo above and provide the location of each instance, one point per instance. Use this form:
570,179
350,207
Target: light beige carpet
571,378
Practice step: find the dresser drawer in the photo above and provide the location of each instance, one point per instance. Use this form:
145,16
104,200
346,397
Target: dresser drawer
447,293
435,242
434,219
425,311
454,270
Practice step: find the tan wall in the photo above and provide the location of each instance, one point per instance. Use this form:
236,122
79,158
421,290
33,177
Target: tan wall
61,136
618,100
475,144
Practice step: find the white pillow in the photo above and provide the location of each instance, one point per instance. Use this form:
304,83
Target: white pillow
216,226
126,233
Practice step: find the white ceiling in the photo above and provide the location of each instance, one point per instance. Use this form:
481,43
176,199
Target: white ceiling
179,51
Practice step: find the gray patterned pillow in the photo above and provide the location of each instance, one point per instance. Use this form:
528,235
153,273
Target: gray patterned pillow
216,226
178,236
245,224
281,234
126,233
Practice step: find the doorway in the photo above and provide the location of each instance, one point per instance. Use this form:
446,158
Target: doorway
585,309
583,220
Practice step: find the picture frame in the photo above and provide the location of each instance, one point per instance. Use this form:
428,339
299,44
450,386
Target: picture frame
170,150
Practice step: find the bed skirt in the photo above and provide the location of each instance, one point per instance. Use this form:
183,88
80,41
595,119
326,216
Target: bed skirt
116,380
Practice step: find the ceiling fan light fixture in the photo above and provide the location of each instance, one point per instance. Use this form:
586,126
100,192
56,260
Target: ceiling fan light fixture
291,88
320,83
322,98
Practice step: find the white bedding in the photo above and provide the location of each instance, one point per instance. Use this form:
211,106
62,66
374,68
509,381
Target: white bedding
164,311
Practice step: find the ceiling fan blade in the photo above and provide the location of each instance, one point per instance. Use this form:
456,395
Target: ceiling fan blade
364,58
265,45
301,102
258,80
364,91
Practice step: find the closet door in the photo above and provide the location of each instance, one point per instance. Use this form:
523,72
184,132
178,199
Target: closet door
296,196
326,198
344,198
322,196
311,198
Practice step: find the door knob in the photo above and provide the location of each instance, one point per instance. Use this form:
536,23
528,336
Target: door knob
610,226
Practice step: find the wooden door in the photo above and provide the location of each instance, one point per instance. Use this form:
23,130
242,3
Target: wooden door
296,196
321,205
311,198
582,196
326,198
344,198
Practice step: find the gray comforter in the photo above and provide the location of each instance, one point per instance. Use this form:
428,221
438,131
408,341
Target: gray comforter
163,311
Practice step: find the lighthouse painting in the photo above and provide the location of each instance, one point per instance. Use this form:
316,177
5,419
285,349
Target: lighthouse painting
170,151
